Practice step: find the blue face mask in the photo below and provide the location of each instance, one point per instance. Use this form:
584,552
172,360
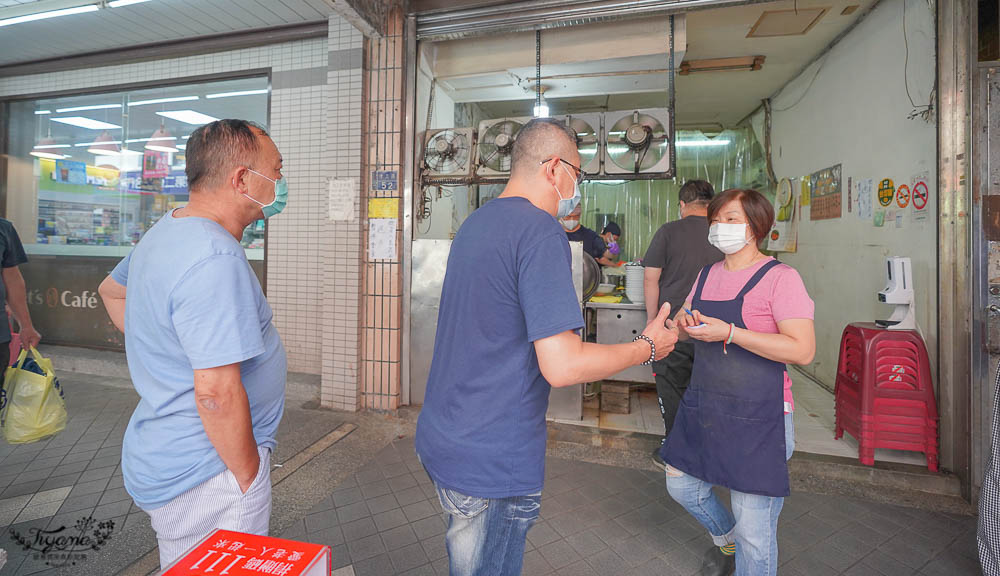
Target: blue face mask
566,205
280,196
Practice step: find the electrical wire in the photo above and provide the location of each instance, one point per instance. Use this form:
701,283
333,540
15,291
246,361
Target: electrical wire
806,91
922,111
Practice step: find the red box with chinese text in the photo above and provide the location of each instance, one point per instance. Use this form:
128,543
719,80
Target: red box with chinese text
226,553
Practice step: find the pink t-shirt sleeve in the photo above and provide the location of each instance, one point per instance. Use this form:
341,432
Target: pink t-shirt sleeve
789,298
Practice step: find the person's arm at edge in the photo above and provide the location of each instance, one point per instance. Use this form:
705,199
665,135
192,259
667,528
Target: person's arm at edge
113,295
651,288
17,299
225,413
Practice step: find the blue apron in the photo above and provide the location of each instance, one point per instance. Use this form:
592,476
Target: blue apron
730,427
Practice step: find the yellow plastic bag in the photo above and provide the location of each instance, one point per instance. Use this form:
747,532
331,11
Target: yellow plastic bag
32,404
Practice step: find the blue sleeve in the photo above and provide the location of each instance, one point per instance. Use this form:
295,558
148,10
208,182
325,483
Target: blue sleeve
545,288
120,273
214,312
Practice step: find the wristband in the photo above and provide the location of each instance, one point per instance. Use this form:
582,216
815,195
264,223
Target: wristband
652,348
729,340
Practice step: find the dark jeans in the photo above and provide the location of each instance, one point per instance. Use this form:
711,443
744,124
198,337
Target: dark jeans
673,374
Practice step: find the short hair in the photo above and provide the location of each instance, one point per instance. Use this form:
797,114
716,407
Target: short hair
760,213
539,140
695,191
214,149
613,228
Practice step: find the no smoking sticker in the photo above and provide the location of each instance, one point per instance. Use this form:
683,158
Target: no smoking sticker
920,195
886,192
903,196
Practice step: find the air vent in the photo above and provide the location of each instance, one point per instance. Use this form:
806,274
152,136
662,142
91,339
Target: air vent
786,22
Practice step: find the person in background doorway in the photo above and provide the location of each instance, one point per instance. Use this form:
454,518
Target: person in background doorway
678,251
750,316
204,356
14,292
988,530
611,234
507,333
576,232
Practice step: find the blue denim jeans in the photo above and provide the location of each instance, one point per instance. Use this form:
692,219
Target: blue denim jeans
753,524
486,535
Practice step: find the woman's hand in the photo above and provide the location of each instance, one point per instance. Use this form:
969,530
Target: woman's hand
705,328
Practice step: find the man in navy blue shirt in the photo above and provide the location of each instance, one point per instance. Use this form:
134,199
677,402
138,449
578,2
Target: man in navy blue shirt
593,244
507,333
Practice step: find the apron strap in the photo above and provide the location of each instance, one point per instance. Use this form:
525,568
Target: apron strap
757,278
701,283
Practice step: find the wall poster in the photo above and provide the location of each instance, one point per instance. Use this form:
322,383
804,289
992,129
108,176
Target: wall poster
784,233
863,199
824,191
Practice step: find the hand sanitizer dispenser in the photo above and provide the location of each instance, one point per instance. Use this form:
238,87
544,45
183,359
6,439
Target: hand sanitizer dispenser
898,292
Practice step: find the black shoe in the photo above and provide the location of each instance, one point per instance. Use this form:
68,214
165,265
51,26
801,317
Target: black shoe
658,460
716,563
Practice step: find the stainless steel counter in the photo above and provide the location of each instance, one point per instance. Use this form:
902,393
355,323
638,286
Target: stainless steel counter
619,323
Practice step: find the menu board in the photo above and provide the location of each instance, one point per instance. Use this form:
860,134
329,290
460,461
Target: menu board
825,194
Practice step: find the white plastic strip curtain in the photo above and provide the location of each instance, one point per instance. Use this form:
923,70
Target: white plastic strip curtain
640,207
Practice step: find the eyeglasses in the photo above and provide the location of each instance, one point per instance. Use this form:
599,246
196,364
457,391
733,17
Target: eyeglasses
580,174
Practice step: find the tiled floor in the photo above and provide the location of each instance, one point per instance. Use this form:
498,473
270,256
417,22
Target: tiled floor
644,415
74,475
603,520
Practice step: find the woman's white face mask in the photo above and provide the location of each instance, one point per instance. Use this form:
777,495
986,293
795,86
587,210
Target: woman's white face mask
729,238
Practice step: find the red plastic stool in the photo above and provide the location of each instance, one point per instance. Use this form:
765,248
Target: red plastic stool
884,392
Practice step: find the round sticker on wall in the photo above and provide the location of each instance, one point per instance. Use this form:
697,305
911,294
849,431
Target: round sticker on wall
903,196
886,192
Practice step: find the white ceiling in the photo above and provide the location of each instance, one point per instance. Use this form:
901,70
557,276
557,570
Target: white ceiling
703,99
147,23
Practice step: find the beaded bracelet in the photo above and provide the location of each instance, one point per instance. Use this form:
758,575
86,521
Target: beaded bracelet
652,348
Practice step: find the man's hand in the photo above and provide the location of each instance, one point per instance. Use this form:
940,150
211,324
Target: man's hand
29,337
663,332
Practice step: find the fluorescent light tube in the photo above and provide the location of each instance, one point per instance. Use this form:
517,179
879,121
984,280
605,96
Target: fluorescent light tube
40,112
188,116
120,3
94,107
49,155
240,93
150,139
701,143
46,146
162,100
160,148
88,123
49,14
82,144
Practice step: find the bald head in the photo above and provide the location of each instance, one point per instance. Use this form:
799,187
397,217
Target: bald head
539,140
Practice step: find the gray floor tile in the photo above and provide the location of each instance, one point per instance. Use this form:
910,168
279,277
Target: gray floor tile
381,504
60,481
408,557
429,527
332,536
32,475
347,496
352,512
365,548
21,489
559,554
375,488
586,543
321,520
435,548
419,511
425,570
84,502
43,463
111,496
92,473
379,565
634,551
389,520
70,468
78,456
83,488
359,529
112,510
399,537
534,564
97,463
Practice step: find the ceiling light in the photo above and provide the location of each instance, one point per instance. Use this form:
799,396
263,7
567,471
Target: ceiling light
182,146
701,143
541,110
120,3
82,144
104,145
88,123
739,63
240,93
94,107
161,135
40,112
47,143
49,155
188,117
134,140
49,14
163,100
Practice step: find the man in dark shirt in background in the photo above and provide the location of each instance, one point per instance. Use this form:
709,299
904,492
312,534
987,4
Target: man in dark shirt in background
14,292
576,232
507,332
677,253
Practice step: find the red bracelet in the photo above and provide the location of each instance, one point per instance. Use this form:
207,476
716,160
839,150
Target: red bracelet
727,341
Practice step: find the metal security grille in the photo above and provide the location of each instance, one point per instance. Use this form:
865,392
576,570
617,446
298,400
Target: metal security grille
382,158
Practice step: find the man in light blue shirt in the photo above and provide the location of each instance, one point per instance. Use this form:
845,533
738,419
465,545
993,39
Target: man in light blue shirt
203,354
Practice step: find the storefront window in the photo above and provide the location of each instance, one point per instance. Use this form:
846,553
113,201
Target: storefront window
88,175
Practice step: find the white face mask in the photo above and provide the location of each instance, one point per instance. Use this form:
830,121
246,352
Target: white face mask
729,238
570,224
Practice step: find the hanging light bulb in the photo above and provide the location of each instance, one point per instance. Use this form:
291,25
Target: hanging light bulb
47,148
104,145
541,108
161,141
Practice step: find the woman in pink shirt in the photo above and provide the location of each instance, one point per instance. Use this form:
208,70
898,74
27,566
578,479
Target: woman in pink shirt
749,315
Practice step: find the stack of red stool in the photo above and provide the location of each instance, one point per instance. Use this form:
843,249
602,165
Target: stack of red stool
884,392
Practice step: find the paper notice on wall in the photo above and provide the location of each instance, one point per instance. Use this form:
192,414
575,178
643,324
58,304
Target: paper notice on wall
382,239
863,199
879,218
343,196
